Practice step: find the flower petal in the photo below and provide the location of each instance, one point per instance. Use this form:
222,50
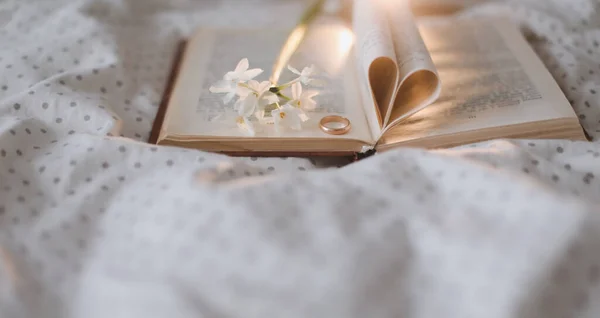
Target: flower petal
249,126
250,74
296,91
246,125
293,70
302,115
277,120
254,85
220,87
309,71
242,66
311,93
271,98
231,76
263,87
293,118
247,105
228,98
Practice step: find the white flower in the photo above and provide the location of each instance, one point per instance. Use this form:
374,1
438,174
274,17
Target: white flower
230,83
303,99
254,98
306,75
287,116
242,73
225,87
245,124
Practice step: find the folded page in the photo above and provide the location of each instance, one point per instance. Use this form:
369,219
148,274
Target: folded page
419,82
376,57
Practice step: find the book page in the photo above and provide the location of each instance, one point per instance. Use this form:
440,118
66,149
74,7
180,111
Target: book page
194,112
376,59
492,78
419,82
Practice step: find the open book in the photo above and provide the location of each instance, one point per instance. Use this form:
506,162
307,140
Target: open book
401,81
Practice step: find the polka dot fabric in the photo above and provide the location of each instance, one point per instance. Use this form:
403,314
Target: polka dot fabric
96,223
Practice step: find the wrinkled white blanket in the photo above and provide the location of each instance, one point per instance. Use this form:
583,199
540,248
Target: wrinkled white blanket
95,226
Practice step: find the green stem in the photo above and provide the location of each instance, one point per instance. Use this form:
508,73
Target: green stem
288,84
287,99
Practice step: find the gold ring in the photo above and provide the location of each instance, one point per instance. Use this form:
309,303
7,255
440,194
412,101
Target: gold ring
335,125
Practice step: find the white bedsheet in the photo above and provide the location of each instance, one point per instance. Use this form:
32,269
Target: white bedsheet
95,226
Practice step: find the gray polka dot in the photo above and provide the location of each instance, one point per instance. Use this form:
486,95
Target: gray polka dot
42,169
2,152
535,162
56,180
17,106
170,162
555,178
58,120
88,179
105,165
73,162
21,199
568,166
122,149
45,105
121,178
79,77
137,165
86,117
73,104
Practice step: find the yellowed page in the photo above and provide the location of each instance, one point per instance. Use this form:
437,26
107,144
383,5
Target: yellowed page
376,60
492,78
194,112
419,82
